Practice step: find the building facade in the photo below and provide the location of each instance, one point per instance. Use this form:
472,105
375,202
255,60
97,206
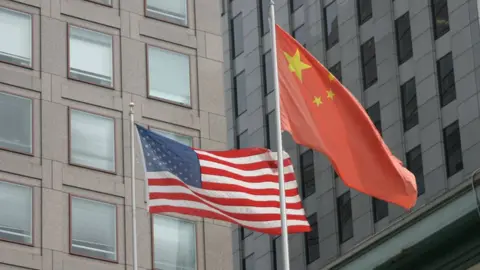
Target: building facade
68,72
414,65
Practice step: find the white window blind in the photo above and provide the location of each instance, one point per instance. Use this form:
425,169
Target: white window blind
175,10
91,56
169,75
92,140
16,114
16,213
16,33
175,243
94,228
186,140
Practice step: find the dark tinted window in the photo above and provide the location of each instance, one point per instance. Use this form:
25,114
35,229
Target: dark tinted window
415,165
276,252
380,209
242,140
374,113
249,263
312,247
244,232
295,4
369,63
271,131
237,35
331,24
409,104
268,73
265,11
453,149
364,11
446,79
404,38
336,71
307,173
300,34
345,222
239,86
441,24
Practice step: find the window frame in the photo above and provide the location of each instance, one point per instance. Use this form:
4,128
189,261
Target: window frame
361,20
111,87
436,33
407,34
447,150
152,236
165,18
69,111
153,129
275,250
445,94
264,16
410,160
376,216
366,62
371,109
300,27
172,102
32,51
70,235
342,236
302,168
328,46
100,3
314,229
32,128
235,93
33,215
267,91
333,68
237,138
269,125
234,48
244,259
411,120
292,7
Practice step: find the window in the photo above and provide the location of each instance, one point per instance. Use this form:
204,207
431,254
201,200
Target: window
92,140
90,56
453,148
295,4
364,11
248,263
183,139
169,75
441,22
265,14
369,63
307,173
312,248
16,32
380,209
268,73
244,232
242,140
93,239
446,79
374,114
222,7
336,71
331,24
174,242
16,114
409,104
172,11
345,222
237,35
276,248
271,131
16,213
415,165
404,38
239,88
300,34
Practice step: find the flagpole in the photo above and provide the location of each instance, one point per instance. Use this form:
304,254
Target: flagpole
134,206
281,180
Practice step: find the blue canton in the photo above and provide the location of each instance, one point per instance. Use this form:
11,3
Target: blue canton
164,154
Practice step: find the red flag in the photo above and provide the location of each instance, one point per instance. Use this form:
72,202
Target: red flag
320,113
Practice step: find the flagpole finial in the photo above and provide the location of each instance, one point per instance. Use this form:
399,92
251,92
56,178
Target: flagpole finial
131,107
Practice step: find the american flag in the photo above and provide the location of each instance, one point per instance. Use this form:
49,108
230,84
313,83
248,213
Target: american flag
237,186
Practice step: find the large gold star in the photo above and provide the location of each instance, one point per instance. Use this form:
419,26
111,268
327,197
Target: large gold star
295,64
317,101
330,94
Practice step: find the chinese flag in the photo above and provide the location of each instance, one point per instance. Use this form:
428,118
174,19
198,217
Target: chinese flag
320,113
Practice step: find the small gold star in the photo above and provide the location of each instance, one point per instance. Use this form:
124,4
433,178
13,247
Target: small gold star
330,94
330,76
317,101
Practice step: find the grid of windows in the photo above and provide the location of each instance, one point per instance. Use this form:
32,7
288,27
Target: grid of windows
446,79
312,247
369,63
404,38
415,165
409,104
308,173
331,24
453,148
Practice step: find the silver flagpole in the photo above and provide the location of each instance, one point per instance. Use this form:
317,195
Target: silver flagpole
281,180
134,204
